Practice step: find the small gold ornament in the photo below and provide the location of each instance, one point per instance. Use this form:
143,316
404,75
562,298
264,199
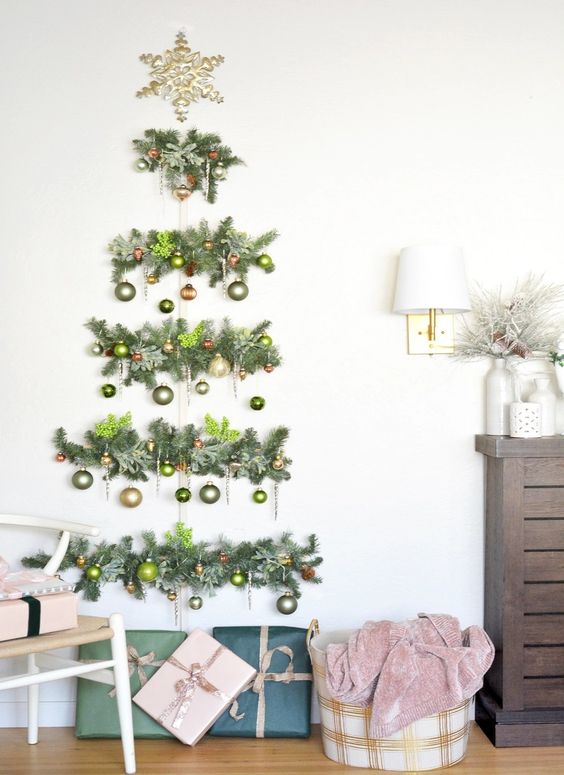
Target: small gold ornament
80,561
207,244
219,366
137,253
106,460
242,374
168,346
223,557
152,279
198,443
153,153
171,595
286,560
278,463
130,587
199,569
130,497
182,192
188,292
150,444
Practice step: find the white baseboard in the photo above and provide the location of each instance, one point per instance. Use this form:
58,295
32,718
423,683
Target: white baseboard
51,714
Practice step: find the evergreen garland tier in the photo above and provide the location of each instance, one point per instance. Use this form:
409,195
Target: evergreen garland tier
198,250
171,349
195,161
215,449
177,563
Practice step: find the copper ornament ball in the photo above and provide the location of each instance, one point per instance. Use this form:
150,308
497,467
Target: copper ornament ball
60,457
213,155
191,181
207,344
137,357
188,292
223,557
233,260
153,153
198,443
269,368
137,253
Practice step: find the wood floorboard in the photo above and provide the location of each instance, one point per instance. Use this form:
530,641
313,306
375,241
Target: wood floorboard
60,753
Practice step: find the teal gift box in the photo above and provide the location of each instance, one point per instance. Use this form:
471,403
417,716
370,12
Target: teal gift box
278,704
96,707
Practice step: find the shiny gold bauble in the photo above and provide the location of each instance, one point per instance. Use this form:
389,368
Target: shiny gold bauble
278,463
307,572
188,292
137,357
152,279
153,153
207,244
269,368
195,602
171,595
80,561
182,193
242,374
207,344
219,366
223,557
130,497
233,260
106,460
286,560
199,569
60,457
150,444
130,587
168,346
137,253
198,443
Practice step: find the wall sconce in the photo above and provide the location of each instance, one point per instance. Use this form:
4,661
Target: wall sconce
430,289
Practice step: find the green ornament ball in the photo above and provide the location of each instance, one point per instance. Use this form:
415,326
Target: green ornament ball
142,165
120,349
219,172
125,291
183,495
238,290
82,479
202,387
264,261
147,571
257,403
265,340
237,578
177,261
166,305
96,349
209,493
259,496
287,603
195,602
93,572
163,395
108,390
167,469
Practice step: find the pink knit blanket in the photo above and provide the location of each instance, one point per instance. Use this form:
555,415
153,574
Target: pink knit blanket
408,670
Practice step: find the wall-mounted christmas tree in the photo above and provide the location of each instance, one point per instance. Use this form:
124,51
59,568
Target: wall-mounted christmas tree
180,352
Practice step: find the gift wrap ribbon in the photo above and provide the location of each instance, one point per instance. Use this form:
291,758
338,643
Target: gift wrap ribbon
138,663
186,686
257,685
10,582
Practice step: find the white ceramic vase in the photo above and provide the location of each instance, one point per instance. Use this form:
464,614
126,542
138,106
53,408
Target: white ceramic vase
499,395
543,395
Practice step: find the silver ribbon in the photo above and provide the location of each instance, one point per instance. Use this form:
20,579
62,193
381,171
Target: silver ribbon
186,686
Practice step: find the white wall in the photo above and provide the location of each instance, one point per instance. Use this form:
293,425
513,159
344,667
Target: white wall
366,125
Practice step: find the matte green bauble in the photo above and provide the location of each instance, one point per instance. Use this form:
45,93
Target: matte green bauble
142,165
202,387
121,349
163,395
147,571
130,497
82,479
259,496
108,390
287,603
265,340
125,291
257,403
96,349
209,493
166,305
167,469
238,290
93,572
264,261
177,260
183,495
195,602
237,578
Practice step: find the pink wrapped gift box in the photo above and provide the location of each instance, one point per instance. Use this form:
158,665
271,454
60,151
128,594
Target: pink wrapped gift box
194,686
37,615
28,582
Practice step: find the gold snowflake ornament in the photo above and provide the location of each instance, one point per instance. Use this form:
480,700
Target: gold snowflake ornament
182,76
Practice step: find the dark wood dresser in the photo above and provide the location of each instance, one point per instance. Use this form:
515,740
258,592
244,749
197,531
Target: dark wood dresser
522,702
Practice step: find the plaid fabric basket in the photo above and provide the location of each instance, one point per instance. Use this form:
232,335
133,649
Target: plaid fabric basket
436,741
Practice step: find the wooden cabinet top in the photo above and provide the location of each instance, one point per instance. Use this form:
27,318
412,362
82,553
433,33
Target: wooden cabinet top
505,446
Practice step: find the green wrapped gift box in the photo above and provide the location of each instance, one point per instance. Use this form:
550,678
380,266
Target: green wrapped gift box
278,704
96,708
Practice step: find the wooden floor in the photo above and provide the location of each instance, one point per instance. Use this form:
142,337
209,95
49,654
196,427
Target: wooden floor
59,753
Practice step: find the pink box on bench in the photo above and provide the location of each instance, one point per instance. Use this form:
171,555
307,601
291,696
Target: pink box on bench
37,615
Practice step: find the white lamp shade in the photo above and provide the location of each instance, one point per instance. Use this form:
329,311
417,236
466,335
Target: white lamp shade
431,277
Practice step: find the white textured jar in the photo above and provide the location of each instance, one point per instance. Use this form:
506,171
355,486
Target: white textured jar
543,395
499,395
525,420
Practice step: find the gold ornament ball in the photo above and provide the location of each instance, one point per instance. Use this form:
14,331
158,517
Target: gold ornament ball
219,367
80,561
130,497
269,368
199,569
106,460
152,279
130,587
195,602
188,292
168,346
182,193
171,595
153,153
60,457
278,463
202,387
286,560
238,290
242,374
150,445
207,244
